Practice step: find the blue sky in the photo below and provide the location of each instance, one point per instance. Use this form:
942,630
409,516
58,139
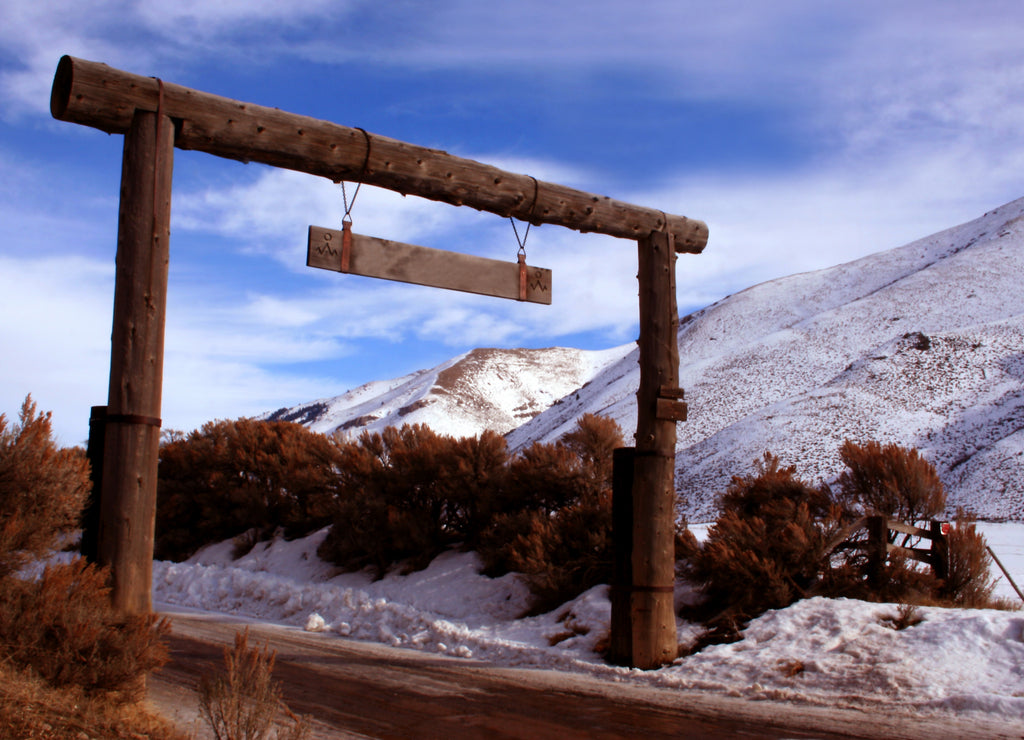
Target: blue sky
804,133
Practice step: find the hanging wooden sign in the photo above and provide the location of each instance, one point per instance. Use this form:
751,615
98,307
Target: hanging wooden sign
437,268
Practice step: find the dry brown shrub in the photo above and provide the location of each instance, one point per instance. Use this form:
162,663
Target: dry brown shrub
897,482
407,494
69,666
890,480
42,488
232,476
792,668
766,548
969,582
555,522
594,439
64,628
244,702
907,615
401,497
475,476
575,554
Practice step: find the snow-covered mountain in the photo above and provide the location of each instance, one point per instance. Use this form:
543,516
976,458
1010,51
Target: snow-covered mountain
921,345
496,389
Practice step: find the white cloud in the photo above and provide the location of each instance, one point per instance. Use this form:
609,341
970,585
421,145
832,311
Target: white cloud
269,213
38,32
56,336
218,361
225,16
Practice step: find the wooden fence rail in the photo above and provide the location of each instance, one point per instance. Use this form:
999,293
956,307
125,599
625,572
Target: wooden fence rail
880,545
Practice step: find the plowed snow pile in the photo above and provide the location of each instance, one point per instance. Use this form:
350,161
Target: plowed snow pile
820,651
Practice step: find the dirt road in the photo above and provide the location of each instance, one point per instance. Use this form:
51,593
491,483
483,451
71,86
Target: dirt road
351,690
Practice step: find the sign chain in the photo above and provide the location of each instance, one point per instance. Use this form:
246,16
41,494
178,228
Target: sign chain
346,220
522,242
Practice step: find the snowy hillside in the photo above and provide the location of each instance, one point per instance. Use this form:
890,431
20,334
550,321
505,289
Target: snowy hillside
921,345
496,389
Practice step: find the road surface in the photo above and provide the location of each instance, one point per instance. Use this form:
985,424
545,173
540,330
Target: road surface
355,690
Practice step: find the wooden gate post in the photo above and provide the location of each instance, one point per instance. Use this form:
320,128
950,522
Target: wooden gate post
620,647
940,551
877,549
89,542
128,499
652,604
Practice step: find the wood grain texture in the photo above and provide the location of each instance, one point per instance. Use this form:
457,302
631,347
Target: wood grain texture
653,616
437,268
94,94
131,448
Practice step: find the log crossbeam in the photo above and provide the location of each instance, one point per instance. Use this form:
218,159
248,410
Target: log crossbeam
97,95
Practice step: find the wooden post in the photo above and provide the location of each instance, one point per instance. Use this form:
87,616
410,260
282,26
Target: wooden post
940,551
653,614
877,550
128,500
620,648
89,543
1006,573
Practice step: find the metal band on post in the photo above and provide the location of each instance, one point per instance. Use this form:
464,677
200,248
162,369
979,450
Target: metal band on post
133,419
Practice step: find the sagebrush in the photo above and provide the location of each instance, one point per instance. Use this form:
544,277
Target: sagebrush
69,665
31,708
766,548
774,541
406,494
890,480
244,701
63,627
42,488
232,476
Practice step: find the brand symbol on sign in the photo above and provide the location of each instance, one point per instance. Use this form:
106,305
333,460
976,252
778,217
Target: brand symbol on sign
326,247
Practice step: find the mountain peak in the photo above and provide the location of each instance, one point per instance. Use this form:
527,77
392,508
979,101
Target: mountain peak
486,388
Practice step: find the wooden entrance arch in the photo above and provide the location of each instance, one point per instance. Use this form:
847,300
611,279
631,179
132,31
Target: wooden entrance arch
155,117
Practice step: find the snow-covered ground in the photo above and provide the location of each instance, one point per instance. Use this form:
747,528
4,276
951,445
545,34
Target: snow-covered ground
831,652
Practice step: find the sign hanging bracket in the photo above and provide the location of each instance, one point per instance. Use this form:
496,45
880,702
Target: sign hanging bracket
346,220
522,242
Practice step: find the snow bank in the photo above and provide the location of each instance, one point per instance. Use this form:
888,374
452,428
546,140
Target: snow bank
820,651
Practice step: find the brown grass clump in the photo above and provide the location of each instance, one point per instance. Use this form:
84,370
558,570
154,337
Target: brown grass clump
792,668
243,703
31,708
907,615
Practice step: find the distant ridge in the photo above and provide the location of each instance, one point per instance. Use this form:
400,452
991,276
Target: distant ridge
496,389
